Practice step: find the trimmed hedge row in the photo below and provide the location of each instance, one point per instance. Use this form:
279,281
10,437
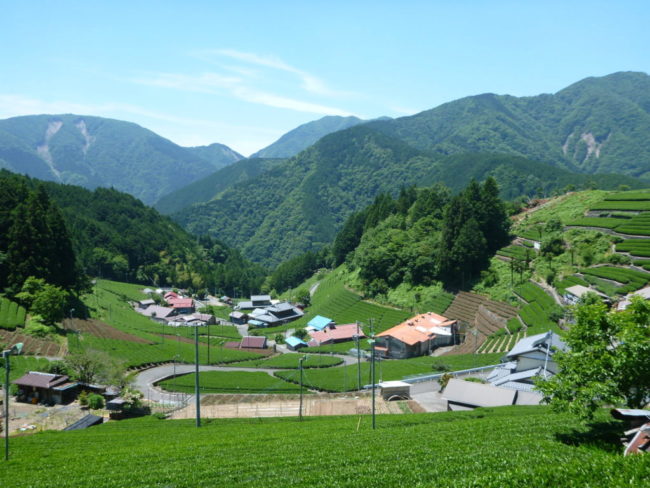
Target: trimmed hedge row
12,315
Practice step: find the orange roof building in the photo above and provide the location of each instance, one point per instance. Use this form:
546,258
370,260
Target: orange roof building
417,336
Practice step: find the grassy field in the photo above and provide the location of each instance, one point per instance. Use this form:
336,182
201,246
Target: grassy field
515,447
345,378
232,382
108,304
12,315
21,365
290,361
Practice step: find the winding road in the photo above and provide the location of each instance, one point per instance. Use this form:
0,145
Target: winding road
145,381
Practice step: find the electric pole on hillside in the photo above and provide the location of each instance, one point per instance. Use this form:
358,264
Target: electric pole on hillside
197,393
372,372
356,340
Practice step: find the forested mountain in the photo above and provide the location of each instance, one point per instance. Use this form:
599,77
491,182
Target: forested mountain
211,186
113,235
299,205
305,135
94,152
597,125
218,155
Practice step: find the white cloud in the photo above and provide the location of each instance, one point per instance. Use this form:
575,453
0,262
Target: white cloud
214,83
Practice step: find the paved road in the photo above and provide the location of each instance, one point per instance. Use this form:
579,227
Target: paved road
144,381
428,396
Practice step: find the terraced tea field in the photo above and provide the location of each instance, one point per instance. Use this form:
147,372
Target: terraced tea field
236,382
517,447
539,305
12,315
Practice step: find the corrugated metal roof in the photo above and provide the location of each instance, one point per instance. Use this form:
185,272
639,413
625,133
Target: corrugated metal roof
477,394
258,342
539,342
338,333
319,322
85,422
41,380
293,341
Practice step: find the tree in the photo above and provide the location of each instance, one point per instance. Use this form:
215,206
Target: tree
85,366
303,296
607,360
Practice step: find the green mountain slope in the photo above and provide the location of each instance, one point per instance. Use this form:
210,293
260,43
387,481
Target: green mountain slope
305,135
93,152
596,125
218,155
300,204
209,187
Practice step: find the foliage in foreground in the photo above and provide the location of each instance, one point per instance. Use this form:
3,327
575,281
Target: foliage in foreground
509,446
607,361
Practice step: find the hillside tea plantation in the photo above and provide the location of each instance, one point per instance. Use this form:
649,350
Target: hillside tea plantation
487,448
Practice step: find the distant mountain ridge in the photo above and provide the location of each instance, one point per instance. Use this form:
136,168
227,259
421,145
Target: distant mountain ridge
597,125
305,135
300,204
218,155
94,151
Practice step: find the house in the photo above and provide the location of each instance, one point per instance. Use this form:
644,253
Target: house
536,351
529,359
417,336
319,323
192,320
238,317
182,305
253,342
293,343
158,313
37,387
256,301
275,315
573,294
146,303
643,293
170,295
335,333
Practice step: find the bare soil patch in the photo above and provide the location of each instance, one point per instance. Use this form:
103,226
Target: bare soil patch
102,330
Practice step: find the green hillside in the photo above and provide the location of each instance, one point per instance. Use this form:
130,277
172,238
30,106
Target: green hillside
452,449
596,125
93,151
305,135
205,189
218,155
300,204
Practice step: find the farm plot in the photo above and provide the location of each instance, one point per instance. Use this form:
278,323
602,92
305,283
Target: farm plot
344,378
636,247
630,278
521,253
538,309
235,382
568,282
12,315
637,225
405,450
640,205
291,360
604,222
101,330
23,364
31,345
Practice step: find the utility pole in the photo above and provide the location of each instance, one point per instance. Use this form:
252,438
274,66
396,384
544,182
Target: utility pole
372,369
197,393
300,367
208,342
356,339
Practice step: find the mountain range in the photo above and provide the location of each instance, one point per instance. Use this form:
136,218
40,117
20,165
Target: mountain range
593,133
98,152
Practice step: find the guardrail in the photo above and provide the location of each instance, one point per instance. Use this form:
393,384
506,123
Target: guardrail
432,377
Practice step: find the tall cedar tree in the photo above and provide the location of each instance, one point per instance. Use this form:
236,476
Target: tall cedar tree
39,244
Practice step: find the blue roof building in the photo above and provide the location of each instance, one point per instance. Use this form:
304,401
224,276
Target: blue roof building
294,343
319,322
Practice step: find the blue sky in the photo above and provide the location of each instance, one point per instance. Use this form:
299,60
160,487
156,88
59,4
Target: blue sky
245,72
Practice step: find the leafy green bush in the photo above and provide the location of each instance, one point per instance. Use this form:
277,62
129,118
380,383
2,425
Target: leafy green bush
95,401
